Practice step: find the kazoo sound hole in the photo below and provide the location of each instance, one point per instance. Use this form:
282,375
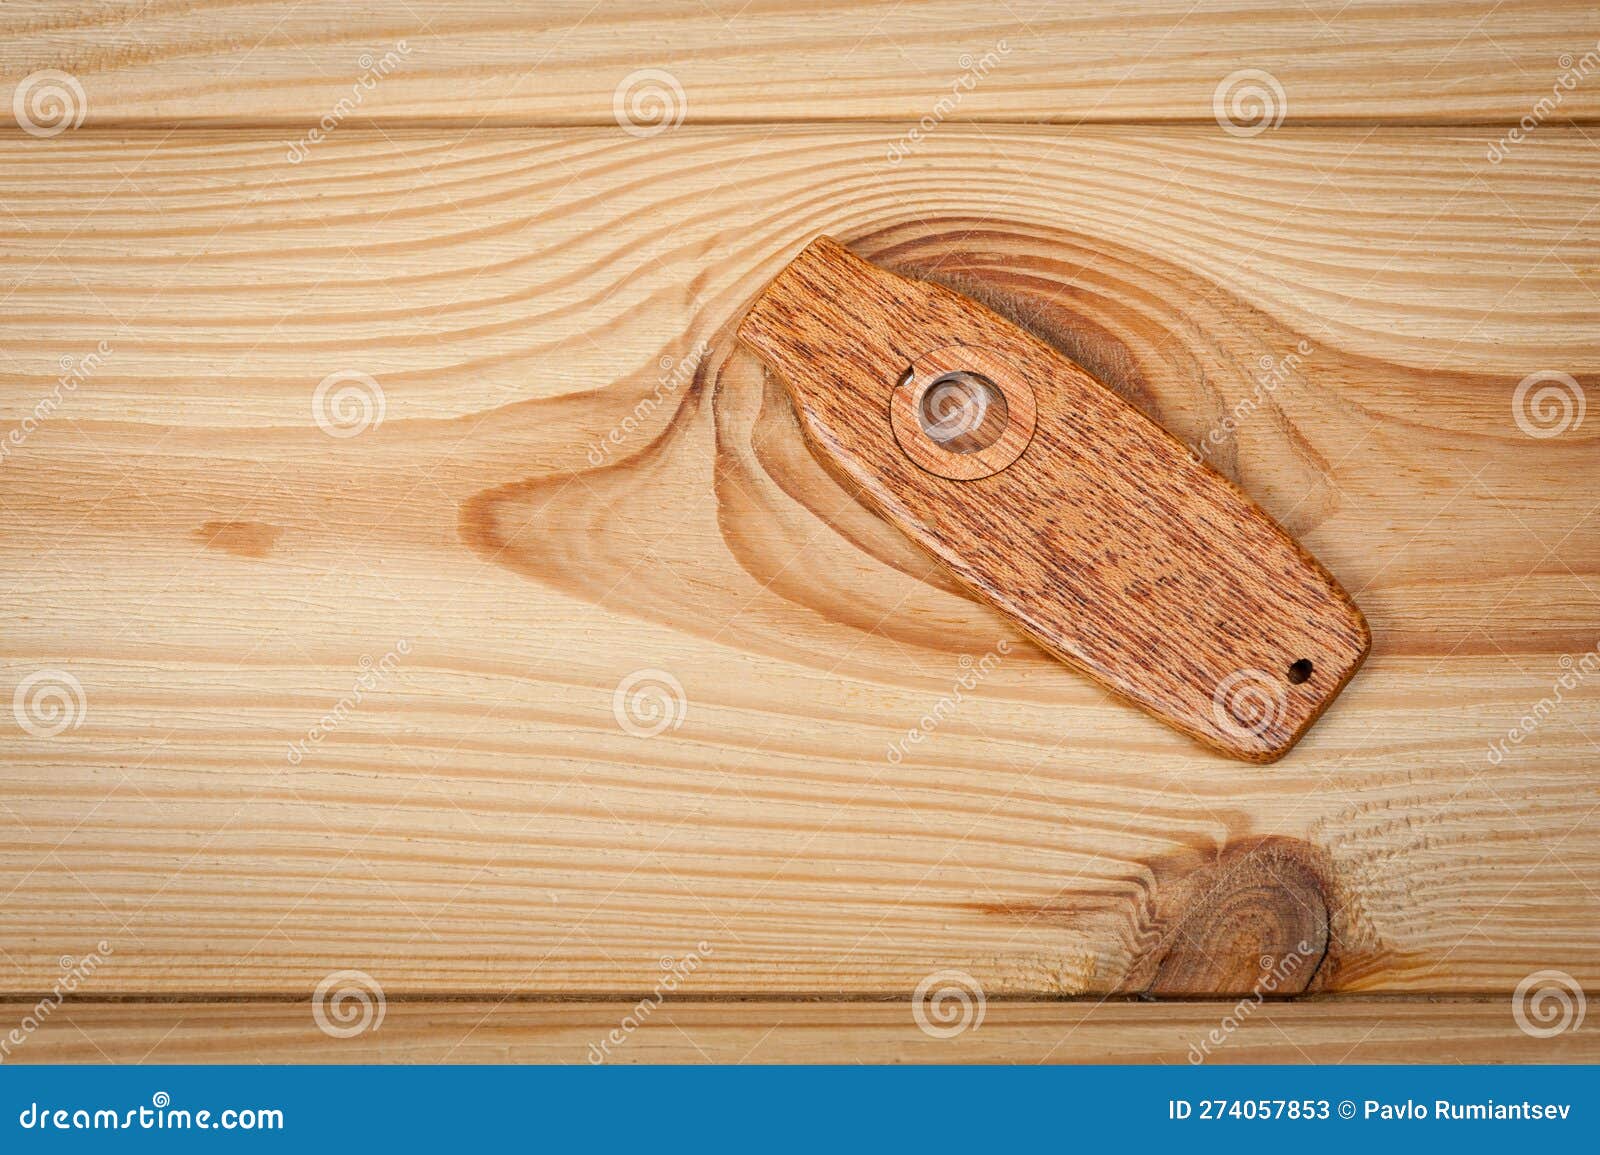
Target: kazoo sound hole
962,412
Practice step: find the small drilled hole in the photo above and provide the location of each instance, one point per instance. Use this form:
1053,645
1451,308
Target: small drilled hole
1300,671
963,412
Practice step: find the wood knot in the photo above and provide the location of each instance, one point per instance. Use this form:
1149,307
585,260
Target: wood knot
1253,921
242,538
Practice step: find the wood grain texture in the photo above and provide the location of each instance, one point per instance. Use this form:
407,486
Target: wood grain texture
1102,538
1337,1031
547,508
563,62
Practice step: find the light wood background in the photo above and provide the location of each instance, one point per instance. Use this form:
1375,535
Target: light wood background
520,278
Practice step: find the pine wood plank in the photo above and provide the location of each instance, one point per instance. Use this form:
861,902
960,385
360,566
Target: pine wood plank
479,62
212,567
1340,1031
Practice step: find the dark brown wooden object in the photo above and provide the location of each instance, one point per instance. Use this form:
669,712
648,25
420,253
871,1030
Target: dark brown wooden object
1048,495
